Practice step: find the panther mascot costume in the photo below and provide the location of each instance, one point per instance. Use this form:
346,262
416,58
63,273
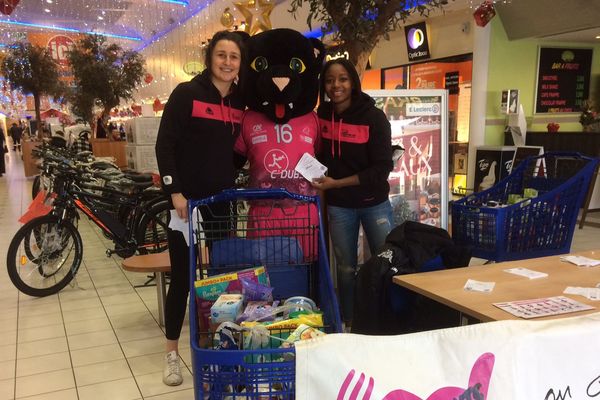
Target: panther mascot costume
281,90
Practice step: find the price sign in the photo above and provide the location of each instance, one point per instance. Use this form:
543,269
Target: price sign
563,79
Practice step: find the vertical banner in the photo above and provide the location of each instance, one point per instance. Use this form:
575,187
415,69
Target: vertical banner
419,181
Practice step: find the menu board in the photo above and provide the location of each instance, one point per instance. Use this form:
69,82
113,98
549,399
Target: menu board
563,79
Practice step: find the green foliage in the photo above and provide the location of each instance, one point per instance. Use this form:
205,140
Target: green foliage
360,24
104,74
32,70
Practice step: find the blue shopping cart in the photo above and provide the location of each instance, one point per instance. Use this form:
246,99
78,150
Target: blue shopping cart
292,248
534,227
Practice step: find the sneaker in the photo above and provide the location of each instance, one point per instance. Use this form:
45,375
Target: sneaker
172,372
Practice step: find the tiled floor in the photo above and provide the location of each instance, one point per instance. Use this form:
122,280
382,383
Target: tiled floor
96,340
99,339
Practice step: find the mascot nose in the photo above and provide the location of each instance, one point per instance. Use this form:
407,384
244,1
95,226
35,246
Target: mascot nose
281,82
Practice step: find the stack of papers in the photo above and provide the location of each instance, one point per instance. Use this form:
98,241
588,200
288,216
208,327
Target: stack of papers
591,293
528,273
581,261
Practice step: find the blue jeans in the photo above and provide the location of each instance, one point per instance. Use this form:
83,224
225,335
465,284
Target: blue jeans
344,225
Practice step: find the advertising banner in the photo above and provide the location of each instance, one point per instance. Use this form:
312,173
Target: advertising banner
419,181
545,360
58,45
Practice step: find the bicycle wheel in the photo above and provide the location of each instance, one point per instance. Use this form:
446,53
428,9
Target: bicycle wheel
151,232
44,256
35,188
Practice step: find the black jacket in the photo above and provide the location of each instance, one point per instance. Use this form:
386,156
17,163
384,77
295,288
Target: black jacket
359,142
407,249
194,147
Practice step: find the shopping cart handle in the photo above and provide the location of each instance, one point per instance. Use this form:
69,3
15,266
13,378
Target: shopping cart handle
252,194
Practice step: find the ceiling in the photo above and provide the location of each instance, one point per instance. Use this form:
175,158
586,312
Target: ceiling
555,20
136,23
132,23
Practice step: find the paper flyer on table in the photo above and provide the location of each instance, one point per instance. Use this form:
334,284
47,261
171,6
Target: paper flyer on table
310,168
543,307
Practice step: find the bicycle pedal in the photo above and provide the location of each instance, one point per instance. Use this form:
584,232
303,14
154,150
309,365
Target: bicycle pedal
109,252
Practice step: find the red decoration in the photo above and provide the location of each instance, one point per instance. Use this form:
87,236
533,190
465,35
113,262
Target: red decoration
8,6
484,13
148,78
157,105
553,127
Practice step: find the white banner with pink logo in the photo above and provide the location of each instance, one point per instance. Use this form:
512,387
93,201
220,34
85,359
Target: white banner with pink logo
507,360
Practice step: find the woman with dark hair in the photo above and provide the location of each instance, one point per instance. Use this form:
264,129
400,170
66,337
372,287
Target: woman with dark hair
356,147
194,150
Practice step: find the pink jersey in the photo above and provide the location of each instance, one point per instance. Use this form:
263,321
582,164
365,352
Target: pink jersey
273,150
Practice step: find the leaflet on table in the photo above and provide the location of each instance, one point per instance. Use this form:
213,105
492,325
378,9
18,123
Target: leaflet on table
178,224
542,307
477,286
528,273
310,168
581,261
591,293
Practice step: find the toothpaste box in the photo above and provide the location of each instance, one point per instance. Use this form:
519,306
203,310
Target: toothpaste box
226,308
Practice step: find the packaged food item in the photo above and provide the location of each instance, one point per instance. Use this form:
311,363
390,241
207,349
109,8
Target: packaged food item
529,193
258,310
226,308
304,332
255,291
212,287
314,320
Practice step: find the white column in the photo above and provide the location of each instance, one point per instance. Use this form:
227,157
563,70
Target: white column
481,58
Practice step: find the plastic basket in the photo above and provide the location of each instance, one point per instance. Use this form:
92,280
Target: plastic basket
536,227
294,267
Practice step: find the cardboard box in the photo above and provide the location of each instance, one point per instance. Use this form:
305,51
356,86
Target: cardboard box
141,158
142,130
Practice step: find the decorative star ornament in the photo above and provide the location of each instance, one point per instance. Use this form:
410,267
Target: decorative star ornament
256,14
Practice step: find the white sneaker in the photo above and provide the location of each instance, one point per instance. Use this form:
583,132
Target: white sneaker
172,372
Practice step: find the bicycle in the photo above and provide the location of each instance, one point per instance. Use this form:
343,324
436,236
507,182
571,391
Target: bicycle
45,254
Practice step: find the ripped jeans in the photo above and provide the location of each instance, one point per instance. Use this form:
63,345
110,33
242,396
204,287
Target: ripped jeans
344,225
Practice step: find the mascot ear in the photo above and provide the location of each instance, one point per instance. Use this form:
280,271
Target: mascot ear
319,51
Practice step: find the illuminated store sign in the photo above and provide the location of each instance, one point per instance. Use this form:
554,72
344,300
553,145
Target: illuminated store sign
416,42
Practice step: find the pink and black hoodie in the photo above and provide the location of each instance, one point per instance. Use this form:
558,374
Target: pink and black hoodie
196,136
356,142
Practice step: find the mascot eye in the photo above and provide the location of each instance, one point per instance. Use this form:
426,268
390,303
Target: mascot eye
259,64
297,65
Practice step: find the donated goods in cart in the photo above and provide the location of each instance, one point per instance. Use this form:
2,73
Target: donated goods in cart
279,237
530,213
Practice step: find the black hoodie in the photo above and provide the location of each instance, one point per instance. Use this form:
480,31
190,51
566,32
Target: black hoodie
359,141
194,147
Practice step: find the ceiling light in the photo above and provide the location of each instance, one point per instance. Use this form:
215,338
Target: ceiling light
47,10
59,28
100,17
598,37
49,1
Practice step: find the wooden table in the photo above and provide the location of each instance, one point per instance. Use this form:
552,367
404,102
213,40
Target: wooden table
446,286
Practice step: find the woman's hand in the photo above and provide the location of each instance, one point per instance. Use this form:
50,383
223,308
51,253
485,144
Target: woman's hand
324,183
180,204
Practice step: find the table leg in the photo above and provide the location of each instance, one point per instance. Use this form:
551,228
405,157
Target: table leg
161,296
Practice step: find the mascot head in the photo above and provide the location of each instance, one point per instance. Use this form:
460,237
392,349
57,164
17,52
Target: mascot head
282,77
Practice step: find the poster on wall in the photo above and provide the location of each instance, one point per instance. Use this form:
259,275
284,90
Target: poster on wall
563,79
58,46
419,181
